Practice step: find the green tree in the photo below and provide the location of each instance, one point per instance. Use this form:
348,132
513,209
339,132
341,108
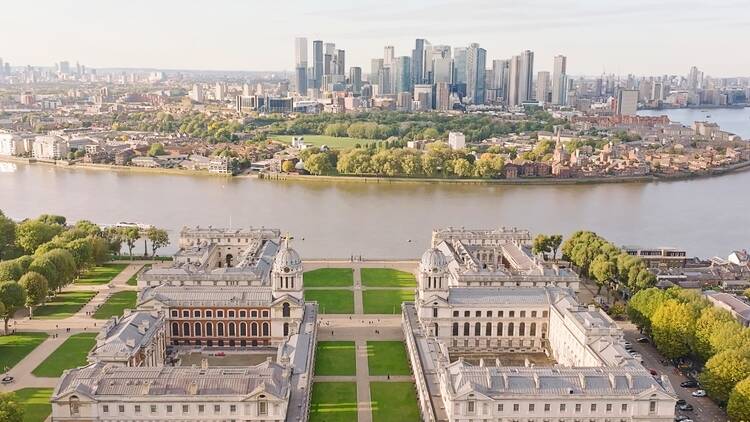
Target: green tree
65,264
541,245
318,164
555,240
158,237
30,234
738,407
603,271
52,219
36,288
10,270
287,166
707,324
46,267
130,235
463,168
7,235
13,297
723,371
11,409
672,325
156,149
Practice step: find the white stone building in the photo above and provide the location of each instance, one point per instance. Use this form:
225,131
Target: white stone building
50,147
456,140
138,338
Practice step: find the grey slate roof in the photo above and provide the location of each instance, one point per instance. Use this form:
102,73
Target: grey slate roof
505,295
124,336
207,296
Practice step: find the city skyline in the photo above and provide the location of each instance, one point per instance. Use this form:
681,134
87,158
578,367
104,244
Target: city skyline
596,37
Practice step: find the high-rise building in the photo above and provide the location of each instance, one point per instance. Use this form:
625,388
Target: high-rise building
542,86
627,102
389,56
476,58
355,78
442,70
376,67
559,75
442,55
423,94
514,70
300,65
219,91
340,62
318,64
385,81
442,96
500,75
459,65
403,78
418,59
197,93
526,76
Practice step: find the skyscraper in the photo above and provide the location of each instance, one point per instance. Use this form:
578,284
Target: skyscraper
514,70
318,63
442,70
526,76
542,86
340,62
389,55
459,65
500,75
355,78
376,68
559,86
476,58
403,74
418,61
300,65
627,102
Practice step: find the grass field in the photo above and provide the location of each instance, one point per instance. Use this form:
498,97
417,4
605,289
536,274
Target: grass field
385,301
334,402
329,277
15,347
335,358
72,353
332,301
393,401
331,141
36,405
116,304
102,274
63,305
387,277
387,358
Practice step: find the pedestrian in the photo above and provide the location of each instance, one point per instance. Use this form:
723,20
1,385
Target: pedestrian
389,376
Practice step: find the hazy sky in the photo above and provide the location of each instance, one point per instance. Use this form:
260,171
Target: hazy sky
619,36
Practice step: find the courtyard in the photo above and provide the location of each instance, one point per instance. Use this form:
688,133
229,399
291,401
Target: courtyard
331,301
335,358
329,277
72,353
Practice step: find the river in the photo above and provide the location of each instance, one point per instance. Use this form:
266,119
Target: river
735,120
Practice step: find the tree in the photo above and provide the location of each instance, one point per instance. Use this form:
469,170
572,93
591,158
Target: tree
672,325
46,267
541,245
318,164
130,235
13,297
287,166
30,234
710,320
10,270
11,409
555,241
158,237
82,252
463,168
65,264
723,371
156,149
603,271
7,235
36,288
52,219
738,407
99,249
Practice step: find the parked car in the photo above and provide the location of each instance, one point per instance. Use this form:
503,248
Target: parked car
636,355
220,354
680,418
628,344
699,393
689,384
653,372
680,402
686,407
643,340
7,379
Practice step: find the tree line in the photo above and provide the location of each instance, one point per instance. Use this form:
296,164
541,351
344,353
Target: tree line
683,323
38,257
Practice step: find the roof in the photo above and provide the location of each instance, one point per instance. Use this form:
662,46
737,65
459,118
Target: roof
504,295
737,305
199,296
121,337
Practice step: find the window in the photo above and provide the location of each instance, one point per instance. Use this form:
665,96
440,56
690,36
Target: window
532,329
489,314
624,407
544,314
254,329
286,329
578,407
185,328
511,314
470,407
174,313
219,314
562,407
523,314
209,314
546,407
455,328
286,310
434,312
186,313
105,408
478,329
593,407
209,329
478,314
533,314
499,328
467,314
137,408
531,407
169,408
197,329
185,408
253,314
217,408
516,407
266,330
455,313
262,408
499,407
231,314
175,329
522,329
510,329
466,328
121,408
196,314
609,407
220,329
232,408
264,313
153,408
74,405
652,406
232,329
243,314
500,314
488,329
201,408
243,329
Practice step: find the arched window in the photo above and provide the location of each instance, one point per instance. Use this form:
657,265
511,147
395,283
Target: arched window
254,329
522,329
285,310
209,329
175,329
488,329
544,330
266,330
220,329
232,330
510,329
466,328
74,405
286,329
478,329
243,329
532,329
197,329
455,328
185,329
499,328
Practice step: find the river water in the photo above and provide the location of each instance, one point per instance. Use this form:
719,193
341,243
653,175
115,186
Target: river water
735,120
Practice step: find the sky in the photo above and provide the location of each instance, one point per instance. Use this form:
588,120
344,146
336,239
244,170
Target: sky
642,37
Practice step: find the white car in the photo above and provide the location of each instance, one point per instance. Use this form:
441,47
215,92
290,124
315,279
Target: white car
636,355
699,393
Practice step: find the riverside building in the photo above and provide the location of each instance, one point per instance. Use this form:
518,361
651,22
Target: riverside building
496,334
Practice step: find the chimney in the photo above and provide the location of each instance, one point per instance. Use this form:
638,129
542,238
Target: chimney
193,388
130,342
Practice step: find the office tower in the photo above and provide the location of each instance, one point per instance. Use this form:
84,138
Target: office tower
300,65
340,62
376,67
526,76
246,90
559,74
442,96
442,55
476,58
403,79
500,75
329,57
389,55
197,93
317,64
219,91
355,78
442,70
423,94
418,59
459,65
598,87
385,81
627,102
694,79
657,91
542,86
64,67
514,70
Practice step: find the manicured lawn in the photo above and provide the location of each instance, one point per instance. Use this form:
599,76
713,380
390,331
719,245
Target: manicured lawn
36,405
116,304
329,277
385,301
394,401
102,274
72,353
387,358
15,347
63,305
387,277
332,301
335,358
330,141
132,281
334,402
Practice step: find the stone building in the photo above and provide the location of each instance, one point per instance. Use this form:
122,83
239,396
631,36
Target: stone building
138,338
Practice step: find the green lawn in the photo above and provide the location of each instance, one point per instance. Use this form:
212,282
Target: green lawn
385,301
36,405
387,358
329,277
15,347
332,301
102,274
72,353
330,141
63,305
334,402
387,277
133,280
335,358
393,401
116,304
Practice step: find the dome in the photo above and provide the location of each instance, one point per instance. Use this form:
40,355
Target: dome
287,260
433,259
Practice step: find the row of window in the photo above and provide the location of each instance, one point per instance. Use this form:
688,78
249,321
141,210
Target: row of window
197,329
608,407
500,314
208,313
201,408
510,329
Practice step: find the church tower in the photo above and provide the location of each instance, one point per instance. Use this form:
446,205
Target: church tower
286,274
